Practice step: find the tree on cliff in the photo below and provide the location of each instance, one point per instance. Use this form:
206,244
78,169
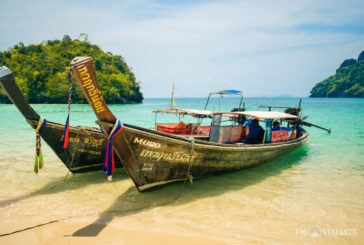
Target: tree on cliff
42,72
347,82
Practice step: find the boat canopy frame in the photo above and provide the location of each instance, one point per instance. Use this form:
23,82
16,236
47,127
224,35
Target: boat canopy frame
181,111
199,114
226,92
260,115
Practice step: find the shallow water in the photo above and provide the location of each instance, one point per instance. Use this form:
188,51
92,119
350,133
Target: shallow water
315,195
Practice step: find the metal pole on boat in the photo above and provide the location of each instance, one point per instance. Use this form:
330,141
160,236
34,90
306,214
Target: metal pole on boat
329,130
241,100
155,121
172,97
299,108
208,98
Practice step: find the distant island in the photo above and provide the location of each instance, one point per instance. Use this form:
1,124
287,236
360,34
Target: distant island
285,96
42,72
347,82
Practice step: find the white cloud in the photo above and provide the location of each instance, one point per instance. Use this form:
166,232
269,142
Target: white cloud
282,44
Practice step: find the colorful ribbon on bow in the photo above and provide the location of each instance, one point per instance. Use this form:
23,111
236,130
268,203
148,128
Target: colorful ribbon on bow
109,164
38,163
67,125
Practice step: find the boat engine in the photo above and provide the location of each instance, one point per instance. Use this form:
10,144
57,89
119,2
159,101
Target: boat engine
293,111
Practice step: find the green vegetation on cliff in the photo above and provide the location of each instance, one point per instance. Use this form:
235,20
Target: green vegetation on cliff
42,72
347,82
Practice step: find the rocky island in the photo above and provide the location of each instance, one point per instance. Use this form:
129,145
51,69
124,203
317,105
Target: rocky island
42,72
348,81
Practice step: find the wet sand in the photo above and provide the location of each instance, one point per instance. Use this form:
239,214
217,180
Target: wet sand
62,233
81,232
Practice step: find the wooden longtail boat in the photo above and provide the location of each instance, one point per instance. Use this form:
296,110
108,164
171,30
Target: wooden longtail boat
86,146
154,158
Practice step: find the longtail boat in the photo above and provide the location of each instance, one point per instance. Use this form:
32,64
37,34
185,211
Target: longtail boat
153,158
86,145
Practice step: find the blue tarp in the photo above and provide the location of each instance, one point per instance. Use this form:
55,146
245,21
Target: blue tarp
229,91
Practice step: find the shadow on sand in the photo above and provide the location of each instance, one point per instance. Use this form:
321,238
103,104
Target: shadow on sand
71,182
132,201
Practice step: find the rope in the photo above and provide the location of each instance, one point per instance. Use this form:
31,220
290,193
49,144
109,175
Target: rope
109,164
74,151
28,228
38,162
67,124
189,176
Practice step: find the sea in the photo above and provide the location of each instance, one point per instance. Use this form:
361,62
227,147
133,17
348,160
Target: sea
314,195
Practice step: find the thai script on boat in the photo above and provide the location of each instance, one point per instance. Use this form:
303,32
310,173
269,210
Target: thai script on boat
94,94
172,157
89,151
93,141
89,141
147,143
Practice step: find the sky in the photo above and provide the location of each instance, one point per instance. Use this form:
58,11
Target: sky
264,48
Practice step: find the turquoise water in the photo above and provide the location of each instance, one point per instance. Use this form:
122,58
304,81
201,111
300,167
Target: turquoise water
318,187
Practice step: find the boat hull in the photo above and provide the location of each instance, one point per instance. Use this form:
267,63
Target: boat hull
162,158
86,146
154,158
